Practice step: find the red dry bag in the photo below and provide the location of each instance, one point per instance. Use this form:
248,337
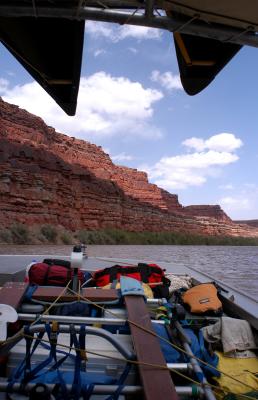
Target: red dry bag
147,273
44,274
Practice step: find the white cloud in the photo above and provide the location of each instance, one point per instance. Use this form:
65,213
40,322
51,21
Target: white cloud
122,157
194,143
99,52
116,33
182,171
106,150
229,186
242,203
199,160
133,50
167,80
223,142
98,29
251,186
234,203
139,32
220,142
107,106
3,85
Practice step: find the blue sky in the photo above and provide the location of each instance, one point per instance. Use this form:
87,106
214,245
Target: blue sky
203,148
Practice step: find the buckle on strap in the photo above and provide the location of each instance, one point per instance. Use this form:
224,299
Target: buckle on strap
54,332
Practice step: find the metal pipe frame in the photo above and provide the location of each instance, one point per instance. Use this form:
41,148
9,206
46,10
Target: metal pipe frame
100,389
182,333
197,27
72,320
78,320
157,302
127,354
180,366
149,8
208,393
113,339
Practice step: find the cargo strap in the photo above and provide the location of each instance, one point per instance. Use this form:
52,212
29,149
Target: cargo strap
143,269
25,364
77,388
120,383
25,373
34,374
50,266
29,292
24,368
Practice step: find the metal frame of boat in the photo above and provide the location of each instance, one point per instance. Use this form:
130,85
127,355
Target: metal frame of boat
214,22
149,14
107,351
47,37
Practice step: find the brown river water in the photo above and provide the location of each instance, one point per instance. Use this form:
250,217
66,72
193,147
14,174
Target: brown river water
235,265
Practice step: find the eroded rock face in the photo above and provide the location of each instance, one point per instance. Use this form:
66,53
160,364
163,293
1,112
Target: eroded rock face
48,177
207,211
250,222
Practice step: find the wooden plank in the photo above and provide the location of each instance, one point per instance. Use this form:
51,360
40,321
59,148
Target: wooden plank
12,293
51,293
157,383
100,294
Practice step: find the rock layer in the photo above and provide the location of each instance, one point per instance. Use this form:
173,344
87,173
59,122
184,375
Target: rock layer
250,222
48,177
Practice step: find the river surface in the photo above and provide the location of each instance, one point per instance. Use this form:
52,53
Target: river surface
235,265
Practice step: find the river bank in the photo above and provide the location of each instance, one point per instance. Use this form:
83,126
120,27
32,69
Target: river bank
48,234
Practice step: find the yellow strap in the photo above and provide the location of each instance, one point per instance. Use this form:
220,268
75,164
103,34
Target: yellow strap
55,326
182,48
83,355
186,56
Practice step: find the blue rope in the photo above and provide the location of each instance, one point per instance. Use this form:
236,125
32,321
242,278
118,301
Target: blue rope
25,364
120,383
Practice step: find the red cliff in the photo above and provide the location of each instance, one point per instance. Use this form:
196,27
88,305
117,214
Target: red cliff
48,177
207,211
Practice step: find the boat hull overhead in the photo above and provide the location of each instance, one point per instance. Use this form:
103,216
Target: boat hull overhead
51,51
47,37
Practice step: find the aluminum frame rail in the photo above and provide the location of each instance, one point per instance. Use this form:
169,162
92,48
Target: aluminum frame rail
126,353
104,389
208,393
66,319
192,26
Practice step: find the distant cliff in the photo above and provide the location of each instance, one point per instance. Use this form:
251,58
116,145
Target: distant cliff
48,177
250,222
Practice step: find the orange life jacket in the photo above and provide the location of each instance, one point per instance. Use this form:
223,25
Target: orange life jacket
202,298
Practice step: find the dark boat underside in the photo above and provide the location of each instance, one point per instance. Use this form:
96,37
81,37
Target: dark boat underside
47,37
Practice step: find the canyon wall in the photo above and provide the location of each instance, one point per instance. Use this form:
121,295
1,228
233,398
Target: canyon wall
48,177
250,222
214,211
